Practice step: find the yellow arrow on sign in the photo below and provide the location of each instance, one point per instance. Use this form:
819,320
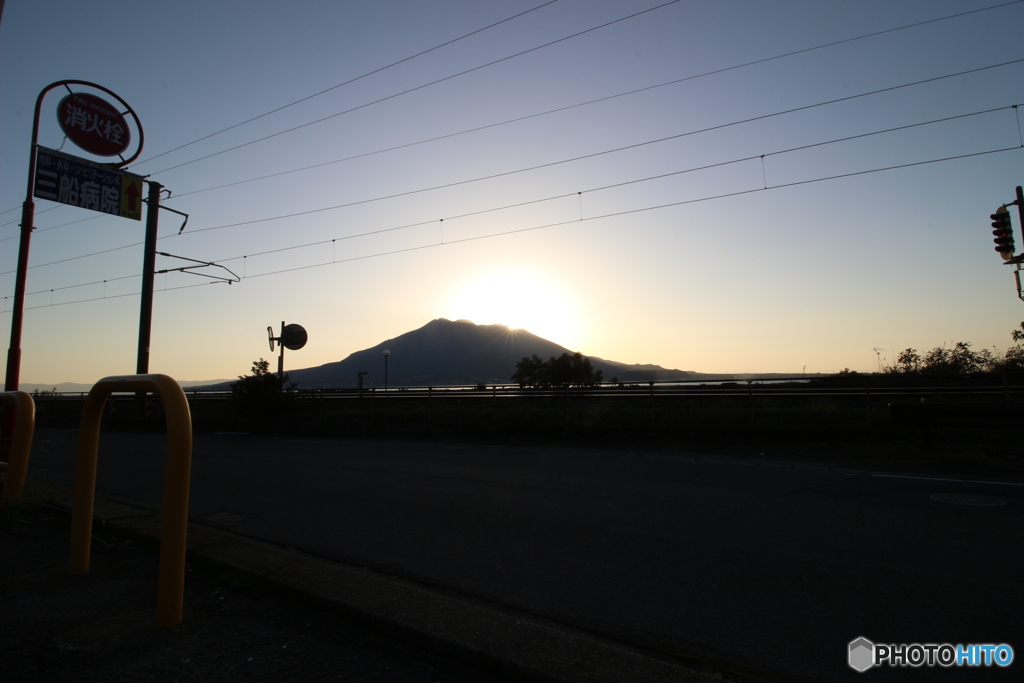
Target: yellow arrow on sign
131,197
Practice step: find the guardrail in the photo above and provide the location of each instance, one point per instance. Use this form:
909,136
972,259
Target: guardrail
338,410
174,527
797,385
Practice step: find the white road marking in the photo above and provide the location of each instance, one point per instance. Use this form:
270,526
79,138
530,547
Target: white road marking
960,481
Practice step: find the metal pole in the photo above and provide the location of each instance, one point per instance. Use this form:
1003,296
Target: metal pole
280,380
1020,214
148,275
280,363
18,314
13,377
28,211
1020,208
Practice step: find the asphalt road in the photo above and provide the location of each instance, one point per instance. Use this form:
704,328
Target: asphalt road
749,563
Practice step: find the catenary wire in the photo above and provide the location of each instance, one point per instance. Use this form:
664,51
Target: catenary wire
419,87
569,194
594,101
353,80
604,152
18,208
641,210
563,161
660,85
568,222
634,181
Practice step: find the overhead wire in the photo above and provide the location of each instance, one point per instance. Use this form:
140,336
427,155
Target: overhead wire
564,161
353,80
596,101
574,221
56,227
109,296
603,152
78,258
606,187
16,220
514,120
419,87
327,90
659,176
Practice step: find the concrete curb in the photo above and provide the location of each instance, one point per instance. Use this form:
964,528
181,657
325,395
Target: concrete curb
516,643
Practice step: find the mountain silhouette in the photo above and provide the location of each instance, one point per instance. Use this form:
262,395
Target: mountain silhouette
445,352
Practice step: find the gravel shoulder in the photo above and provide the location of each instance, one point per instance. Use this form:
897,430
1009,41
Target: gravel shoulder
100,626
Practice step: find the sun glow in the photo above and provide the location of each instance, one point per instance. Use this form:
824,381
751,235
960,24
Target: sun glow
521,299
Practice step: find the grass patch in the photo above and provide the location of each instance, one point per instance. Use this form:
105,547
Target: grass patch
34,495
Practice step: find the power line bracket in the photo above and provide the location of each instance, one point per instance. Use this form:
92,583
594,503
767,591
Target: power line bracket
199,264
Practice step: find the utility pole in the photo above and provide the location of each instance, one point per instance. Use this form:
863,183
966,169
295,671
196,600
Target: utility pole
280,366
148,276
1020,205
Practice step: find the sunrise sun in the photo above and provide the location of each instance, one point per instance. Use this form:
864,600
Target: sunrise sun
521,299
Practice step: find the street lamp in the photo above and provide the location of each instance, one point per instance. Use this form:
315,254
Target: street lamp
386,354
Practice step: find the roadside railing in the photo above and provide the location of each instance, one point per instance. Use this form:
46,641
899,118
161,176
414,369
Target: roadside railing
21,441
174,526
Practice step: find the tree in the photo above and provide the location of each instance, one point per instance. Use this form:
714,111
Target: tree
529,371
1013,360
907,362
959,360
259,397
568,370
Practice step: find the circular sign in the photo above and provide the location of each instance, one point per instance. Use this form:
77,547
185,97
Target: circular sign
270,336
293,337
93,124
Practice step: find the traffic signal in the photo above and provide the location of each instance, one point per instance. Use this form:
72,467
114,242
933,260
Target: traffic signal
1003,232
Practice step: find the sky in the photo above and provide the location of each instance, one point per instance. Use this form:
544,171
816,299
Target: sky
708,185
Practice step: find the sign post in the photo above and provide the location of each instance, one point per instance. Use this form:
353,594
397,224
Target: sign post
97,127
148,275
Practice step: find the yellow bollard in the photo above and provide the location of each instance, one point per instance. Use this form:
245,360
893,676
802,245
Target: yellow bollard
21,444
173,530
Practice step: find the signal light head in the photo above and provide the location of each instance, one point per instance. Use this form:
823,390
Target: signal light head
1003,232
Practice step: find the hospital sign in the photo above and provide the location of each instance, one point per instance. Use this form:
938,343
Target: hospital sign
71,180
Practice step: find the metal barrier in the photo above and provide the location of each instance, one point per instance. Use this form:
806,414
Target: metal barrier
174,527
24,426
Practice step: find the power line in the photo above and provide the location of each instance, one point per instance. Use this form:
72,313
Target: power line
575,221
56,227
659,176
18,208
77,258
106,297
419,87
604,152
353,80
587,156
587,191
552,111
85,284
598,100
640,210
326,90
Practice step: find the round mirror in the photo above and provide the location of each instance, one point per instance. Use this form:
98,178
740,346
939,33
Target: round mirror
293,337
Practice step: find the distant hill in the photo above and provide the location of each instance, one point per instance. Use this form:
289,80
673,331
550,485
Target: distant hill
445,352
72,387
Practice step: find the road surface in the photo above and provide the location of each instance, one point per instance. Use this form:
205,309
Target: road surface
755,565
